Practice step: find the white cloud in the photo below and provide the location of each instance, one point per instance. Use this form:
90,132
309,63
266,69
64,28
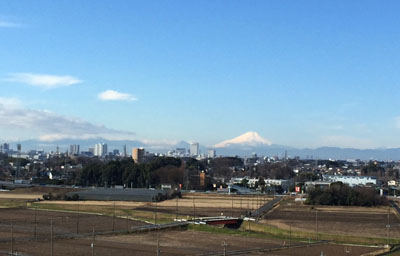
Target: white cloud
8,24
10,102
43,80
49,126
114,95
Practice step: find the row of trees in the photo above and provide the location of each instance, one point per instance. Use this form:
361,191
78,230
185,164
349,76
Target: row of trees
138,175
341,194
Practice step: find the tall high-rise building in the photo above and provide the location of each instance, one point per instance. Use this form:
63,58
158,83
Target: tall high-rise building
97,149
194,149
125,150
74,149
211,153
105,149
138,155
100,149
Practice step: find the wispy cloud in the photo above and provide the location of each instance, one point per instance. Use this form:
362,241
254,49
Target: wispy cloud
10,102
114,95
42,80
50,126
8,24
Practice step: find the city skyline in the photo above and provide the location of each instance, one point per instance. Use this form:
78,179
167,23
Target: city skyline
304,75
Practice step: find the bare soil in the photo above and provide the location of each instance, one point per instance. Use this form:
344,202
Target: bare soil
173,243
352,221
26,222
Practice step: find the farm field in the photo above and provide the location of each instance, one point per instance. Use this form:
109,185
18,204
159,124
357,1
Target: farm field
199,205
30,218
191,204
172,243
203,205
31,223
353,221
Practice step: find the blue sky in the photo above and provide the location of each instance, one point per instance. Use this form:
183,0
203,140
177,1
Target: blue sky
300,73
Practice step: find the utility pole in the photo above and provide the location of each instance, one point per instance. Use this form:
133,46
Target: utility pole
232,207
12,239
127,223
194,209
92,245
290,234
224,244
248,206
155,214
316,224
113,220
388,226
176,217
35,225
77,221
241,208
158,243
51,237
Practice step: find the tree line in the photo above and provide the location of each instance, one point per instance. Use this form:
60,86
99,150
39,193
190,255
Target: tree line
342,194
127,172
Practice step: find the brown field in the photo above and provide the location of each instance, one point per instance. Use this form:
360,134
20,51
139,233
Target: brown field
172,243
326,249
187,206
208,205
25,220
352,221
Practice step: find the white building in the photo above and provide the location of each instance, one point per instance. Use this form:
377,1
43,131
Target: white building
194,149
351,180
268,182
100,149
211,153
74,149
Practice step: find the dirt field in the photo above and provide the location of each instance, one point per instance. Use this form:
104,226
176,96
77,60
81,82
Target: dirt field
189,205
172,243
208,205
26,222
353,221
326,249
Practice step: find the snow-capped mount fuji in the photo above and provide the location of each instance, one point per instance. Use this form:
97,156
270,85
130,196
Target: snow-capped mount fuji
248,139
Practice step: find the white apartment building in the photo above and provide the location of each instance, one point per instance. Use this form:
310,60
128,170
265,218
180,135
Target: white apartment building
351,180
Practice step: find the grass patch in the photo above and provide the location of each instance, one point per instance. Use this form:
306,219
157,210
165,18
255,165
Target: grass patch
13,203
262,231
242,232
303,235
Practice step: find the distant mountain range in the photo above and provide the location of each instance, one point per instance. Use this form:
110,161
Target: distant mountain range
252,142
243,145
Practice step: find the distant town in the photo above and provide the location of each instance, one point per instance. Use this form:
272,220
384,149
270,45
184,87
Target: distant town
194,170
